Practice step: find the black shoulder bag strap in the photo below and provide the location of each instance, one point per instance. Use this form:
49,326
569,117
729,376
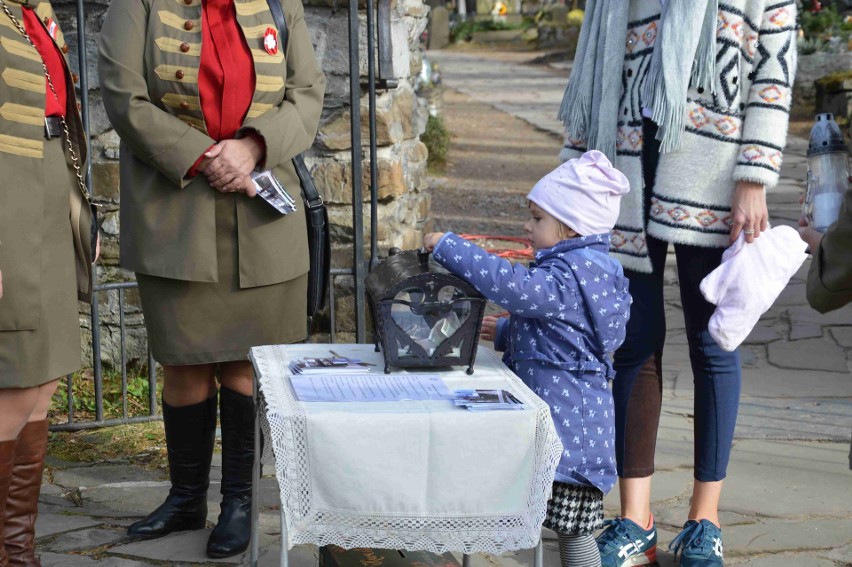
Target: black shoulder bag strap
319,243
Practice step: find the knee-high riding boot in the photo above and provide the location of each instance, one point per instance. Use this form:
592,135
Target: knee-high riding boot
190,434
22,499
233,529
7,462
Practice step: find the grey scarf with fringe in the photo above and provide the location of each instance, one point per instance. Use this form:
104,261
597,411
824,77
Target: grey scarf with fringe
684,54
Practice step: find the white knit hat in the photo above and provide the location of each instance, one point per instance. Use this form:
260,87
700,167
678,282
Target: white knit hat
582,193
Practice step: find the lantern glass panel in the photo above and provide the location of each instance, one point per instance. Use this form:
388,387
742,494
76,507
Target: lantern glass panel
425,316
429,325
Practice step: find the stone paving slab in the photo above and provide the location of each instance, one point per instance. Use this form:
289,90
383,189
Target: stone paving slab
822,354
136,499
533,94
182,547
842,336
59,560
94,476
48,524
300,556
789,479
785,560
763,380
843,555
823,419
82,540
770,536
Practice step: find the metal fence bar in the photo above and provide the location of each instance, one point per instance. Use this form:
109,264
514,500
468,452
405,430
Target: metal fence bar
371,108
69,388
357,203
152,384
123,353
331,313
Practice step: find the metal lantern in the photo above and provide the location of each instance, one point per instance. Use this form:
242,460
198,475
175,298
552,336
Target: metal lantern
424,316
828,173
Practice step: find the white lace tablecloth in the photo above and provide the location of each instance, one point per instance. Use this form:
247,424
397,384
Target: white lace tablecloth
408,475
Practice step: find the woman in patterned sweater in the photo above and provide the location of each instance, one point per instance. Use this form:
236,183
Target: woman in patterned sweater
697,121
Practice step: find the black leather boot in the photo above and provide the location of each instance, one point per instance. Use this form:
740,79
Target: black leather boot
233,529
190,434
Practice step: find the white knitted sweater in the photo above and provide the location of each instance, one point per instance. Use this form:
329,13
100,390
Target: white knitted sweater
735,134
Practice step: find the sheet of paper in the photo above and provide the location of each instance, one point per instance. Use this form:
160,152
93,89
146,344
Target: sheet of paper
370,388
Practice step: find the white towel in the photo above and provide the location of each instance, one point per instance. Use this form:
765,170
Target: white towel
749,280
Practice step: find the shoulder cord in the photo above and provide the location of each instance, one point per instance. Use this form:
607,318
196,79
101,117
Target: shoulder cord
78,170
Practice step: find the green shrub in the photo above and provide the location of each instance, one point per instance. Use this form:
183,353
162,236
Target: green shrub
824,23
437,140
464,30
83,387
811,45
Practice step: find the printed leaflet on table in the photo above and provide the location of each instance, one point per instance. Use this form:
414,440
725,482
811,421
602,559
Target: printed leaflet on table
369,388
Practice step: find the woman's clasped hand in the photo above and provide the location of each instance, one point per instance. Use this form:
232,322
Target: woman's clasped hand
228,165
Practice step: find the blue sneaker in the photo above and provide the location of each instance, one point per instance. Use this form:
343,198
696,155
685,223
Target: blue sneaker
699,544
624,544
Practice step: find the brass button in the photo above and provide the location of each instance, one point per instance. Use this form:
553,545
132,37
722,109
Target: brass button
179,74
65,48
187,2
75,78
46,21
184,47
188,25
184,105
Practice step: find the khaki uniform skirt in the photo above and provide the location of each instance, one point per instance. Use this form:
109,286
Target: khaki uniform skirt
201,322
32,358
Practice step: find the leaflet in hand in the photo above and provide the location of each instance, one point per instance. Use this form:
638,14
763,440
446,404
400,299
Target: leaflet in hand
332,365
270,188
486,400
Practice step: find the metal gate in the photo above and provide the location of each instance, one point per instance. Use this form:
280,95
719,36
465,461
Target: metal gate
378,41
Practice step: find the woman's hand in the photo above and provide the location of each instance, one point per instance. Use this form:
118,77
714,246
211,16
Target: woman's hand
489,328
749,211
431,240
97,250
231,163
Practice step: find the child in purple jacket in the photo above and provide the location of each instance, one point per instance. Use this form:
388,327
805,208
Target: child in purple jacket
568,311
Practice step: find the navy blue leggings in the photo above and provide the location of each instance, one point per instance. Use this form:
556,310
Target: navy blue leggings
637,387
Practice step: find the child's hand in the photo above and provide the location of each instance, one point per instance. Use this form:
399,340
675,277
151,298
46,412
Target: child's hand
489,328
431,240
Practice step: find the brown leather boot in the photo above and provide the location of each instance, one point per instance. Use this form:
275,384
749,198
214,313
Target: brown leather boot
7,459
22,501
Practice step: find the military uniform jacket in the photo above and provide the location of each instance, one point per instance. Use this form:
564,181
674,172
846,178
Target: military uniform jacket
150,52
22,107
830,275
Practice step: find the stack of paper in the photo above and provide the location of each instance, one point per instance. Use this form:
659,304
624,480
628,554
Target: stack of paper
486,400
332,365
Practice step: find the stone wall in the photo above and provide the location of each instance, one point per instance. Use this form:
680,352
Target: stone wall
404,203
813,67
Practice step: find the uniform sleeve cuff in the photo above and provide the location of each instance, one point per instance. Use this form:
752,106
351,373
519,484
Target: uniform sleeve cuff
193,171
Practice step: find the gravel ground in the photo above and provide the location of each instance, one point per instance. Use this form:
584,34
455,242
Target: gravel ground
493,162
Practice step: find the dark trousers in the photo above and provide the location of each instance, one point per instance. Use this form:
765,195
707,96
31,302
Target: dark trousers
637,387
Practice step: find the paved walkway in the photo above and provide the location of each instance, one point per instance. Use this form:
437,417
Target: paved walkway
788,499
